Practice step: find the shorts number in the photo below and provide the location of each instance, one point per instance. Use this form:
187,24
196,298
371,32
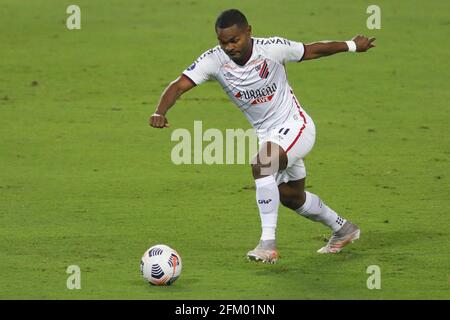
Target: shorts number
285,131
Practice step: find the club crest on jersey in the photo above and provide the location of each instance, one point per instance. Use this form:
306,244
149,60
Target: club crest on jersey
263,70
259,95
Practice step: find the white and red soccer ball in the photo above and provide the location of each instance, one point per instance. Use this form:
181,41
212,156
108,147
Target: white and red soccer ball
161,265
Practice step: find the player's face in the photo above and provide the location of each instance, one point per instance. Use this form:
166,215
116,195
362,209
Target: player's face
235,41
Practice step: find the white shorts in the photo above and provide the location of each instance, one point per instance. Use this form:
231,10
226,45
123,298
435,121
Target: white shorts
296,136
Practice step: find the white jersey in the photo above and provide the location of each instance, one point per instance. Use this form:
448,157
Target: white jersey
260,87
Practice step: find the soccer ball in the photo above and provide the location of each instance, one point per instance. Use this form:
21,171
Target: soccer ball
161,265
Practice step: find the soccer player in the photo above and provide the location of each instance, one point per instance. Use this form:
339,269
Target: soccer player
252,73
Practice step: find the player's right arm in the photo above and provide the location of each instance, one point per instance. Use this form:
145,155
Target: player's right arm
203,69
168,98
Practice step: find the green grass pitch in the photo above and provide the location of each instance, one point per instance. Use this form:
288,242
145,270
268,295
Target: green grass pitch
85,181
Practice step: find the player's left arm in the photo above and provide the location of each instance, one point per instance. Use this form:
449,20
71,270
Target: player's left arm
322,49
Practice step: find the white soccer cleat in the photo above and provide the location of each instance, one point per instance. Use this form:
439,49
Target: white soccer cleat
347,234
265,252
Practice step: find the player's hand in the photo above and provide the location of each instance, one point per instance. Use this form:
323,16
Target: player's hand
363,43
158,121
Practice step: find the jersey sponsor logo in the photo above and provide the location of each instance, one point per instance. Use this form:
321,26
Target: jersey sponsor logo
259,95
273,41
262,100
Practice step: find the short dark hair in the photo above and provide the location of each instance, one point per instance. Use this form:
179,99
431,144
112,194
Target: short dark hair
231,17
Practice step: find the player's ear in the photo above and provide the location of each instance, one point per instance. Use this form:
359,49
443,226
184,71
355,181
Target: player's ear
249,30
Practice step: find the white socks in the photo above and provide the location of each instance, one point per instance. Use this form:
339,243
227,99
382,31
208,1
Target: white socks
316,210
268,201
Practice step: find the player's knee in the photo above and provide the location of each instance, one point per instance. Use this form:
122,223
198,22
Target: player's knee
262,170
270,159
256,170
